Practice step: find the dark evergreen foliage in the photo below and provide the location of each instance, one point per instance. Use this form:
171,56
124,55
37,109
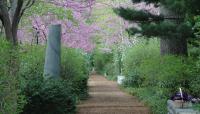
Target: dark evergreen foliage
159,25
174,22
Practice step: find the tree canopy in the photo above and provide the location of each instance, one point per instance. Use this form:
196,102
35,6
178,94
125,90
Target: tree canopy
173,23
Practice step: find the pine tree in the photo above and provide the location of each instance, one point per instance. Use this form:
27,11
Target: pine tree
173,26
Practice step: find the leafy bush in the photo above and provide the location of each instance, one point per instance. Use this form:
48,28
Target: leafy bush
9,79
195,81
31,67
117,62
166,72
134,58
133,80
155,98
101,59
23,89
32,61
145,67
48,97
75,69
109,69
53,96
43,97
195,86
149,74
197,107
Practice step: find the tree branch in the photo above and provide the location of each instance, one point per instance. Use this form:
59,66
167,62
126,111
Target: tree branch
27,5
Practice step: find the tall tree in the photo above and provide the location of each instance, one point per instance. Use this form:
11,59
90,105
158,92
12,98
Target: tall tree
173,24
11,12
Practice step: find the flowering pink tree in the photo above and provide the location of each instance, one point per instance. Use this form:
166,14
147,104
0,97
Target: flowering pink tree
118,35
76,33
112,33
77,6
75,36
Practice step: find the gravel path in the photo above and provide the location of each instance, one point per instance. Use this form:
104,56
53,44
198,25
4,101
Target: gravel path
106,98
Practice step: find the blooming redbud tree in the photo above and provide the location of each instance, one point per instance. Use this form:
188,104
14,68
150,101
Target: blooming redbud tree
76,33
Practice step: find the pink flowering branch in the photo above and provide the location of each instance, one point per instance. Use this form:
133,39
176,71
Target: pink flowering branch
73,35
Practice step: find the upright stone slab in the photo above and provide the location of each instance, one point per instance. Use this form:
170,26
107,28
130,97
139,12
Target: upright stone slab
53,53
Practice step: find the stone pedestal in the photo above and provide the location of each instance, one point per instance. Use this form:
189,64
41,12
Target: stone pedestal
53,53
178,108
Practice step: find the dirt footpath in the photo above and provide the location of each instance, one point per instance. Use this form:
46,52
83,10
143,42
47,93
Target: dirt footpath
106,98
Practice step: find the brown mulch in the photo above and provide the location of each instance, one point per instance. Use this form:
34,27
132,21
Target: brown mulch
105,97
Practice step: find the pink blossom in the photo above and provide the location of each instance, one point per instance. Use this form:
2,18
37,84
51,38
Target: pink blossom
73,35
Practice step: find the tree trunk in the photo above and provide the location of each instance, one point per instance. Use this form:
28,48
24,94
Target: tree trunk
174,46
11,18
4,16
17,7
15,24
8,32
14,32
8,29
12,9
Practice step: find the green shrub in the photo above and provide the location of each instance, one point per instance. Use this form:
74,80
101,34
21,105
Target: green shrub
133,79
101,59
134,58
145,67
166,72
48,97
75,69
31,62
195,81
155,98
31,67
42,95
109,69
197,107
117,62
9,62
149,74
74,63
195,87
